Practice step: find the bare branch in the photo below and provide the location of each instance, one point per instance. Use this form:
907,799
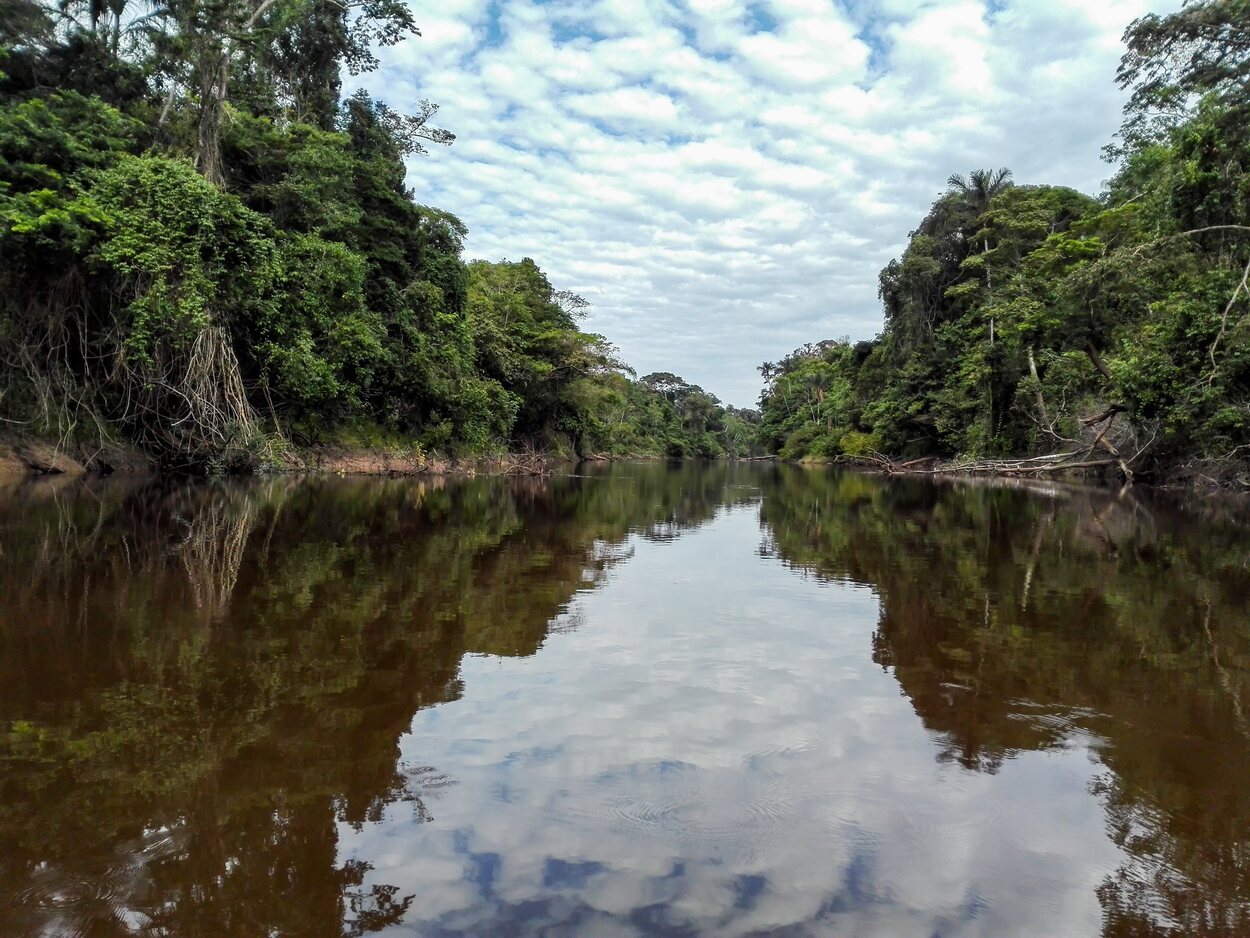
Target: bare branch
1243,285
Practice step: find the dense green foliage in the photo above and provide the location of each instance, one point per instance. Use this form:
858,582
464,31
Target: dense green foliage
1027,319
663,408
207,248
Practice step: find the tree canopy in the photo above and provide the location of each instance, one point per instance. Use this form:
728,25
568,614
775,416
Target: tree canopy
1033,319
210,249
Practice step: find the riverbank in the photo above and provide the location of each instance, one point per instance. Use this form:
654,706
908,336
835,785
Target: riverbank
401,461
24,457
21,456
1233,477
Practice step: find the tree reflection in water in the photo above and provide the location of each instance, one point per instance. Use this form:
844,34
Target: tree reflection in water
1017,619
199,683
204,687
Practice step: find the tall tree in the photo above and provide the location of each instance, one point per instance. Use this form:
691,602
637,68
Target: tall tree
978,190
302,41
980,186
1203,48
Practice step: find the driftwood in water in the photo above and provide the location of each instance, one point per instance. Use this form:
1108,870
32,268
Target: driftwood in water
1094,451
1035,466
528,463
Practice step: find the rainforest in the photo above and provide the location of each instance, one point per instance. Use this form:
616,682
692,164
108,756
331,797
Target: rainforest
430,615
213,250
1033,328
211,253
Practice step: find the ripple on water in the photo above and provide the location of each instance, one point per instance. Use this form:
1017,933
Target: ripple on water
771,806
642,815
58,888
70,893
777,749
75,900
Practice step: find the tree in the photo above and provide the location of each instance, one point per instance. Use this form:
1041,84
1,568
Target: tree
1203,48
23,21
977,191
667,384
979,187
301,42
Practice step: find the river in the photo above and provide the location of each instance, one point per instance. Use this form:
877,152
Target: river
717,699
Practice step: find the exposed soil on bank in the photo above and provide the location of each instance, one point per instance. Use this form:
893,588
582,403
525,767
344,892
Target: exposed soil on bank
27,457
374,462
22,457
398,462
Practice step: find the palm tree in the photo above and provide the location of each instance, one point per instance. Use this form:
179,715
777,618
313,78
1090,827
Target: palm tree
976,191
103,19
980,186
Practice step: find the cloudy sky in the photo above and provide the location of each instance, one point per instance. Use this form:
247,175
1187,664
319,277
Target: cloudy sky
723,179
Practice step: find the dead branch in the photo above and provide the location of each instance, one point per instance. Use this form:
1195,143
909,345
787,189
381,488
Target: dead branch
1243,285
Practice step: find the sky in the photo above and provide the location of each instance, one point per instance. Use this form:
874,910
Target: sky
723,179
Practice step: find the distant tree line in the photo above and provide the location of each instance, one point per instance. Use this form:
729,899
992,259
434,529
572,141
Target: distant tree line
1030,319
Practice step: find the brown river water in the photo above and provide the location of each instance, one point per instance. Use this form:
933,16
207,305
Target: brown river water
645,700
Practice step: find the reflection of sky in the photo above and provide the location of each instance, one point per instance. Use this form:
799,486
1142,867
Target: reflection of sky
713,751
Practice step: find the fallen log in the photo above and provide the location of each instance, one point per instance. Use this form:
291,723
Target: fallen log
1036,465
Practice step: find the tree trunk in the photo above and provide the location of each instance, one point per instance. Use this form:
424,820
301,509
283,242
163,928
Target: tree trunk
1097,361
1041,401
212,106
989,282
213,85
989,293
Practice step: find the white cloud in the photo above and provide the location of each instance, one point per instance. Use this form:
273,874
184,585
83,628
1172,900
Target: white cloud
724,180
625,107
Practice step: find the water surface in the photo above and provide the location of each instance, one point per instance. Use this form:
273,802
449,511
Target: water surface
644,700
